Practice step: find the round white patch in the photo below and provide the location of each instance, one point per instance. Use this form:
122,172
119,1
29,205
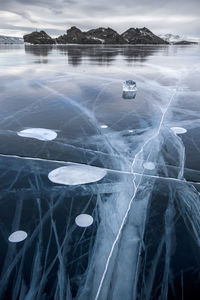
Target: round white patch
104,126
41,134
84,220
178,130
76,174
149,165
17,236
131,130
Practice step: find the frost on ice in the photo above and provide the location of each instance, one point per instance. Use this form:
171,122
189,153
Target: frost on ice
76,174
41,134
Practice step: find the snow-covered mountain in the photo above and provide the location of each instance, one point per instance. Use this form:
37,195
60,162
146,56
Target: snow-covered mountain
174,38
171,38
10,40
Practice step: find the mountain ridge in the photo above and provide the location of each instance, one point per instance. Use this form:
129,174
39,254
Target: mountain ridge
178,40
4,39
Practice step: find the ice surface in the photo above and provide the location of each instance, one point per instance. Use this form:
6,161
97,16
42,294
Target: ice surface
38,133
17,236
145,220
84,220
76,174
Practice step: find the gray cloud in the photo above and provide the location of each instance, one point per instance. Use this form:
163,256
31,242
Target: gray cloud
22,16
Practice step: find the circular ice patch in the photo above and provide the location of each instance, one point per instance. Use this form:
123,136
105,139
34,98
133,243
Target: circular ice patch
84,220
76,174
17,236
41,134
178,130
149,165
104,126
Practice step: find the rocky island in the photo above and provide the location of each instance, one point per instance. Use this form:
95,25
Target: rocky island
108,35
97,36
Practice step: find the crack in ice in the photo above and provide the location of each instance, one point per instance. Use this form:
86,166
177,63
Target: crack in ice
135,191
106,169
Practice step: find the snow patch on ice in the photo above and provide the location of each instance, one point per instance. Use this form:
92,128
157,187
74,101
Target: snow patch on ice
178,130
84,220
76,174
149,165
41,134
17,236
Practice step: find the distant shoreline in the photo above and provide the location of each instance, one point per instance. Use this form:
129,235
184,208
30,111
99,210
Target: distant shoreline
99,36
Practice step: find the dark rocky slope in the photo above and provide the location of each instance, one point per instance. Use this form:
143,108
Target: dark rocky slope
76,36
38,37
142,36
106,36
94,36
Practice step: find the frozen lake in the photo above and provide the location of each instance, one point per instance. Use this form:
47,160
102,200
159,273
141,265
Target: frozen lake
99,194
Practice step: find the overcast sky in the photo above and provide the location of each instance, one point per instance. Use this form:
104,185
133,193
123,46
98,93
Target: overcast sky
18,17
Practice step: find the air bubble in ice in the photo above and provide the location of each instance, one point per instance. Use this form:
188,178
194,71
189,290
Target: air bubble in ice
17,236
76,174
178,130
149,165
84,220
41,134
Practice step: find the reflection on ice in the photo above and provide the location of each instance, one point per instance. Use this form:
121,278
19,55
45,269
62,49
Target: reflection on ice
178,130
76,174
17,236
84,220
38,133
128,95
104,126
